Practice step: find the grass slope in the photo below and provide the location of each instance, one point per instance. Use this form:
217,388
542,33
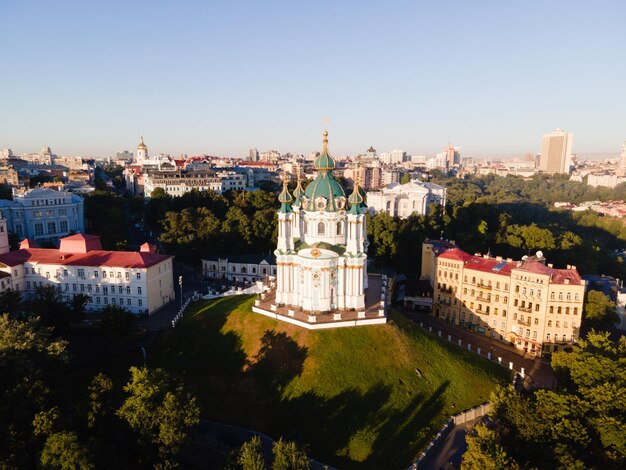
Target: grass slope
351,394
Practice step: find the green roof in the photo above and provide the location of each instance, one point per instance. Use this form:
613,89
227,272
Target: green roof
324,185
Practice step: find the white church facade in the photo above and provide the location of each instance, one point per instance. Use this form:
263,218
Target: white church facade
321,254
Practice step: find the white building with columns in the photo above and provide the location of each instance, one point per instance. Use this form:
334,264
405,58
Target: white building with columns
321,255
402,200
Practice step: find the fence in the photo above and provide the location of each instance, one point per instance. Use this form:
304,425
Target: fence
180,313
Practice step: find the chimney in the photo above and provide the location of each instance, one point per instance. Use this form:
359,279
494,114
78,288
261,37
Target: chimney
573,268
509,260
550,265
498,258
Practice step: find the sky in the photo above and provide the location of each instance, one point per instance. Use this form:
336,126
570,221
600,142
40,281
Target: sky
220,77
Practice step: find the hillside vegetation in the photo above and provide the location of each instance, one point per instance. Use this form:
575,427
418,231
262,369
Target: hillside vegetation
352,395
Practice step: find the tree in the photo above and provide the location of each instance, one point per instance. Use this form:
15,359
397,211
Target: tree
251,455
63,450
484,452
161,413
77,306
48,305
600,311
287,456
116,321
29,363
406,178
580,424
10,300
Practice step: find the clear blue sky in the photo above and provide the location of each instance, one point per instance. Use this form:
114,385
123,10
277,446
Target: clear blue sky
220,77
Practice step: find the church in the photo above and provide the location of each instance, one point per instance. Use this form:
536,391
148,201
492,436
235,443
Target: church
321,256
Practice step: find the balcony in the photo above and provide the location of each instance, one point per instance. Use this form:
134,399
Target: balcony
483,286
525,309
524,322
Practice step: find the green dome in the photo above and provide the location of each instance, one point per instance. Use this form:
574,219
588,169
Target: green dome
324,185
325,161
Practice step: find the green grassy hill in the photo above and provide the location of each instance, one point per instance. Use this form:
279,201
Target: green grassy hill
352,394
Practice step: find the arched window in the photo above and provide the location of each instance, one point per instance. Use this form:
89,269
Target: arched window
339,228
321,228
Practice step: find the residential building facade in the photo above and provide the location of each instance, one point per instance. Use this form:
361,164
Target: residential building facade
177,183
527,303
241,268
141,282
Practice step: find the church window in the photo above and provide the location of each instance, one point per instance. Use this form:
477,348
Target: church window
339,228
320,228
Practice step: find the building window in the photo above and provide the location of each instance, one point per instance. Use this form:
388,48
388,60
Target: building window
81,273
82,287
321,228
339,228
63,227
119,275
38,229
67,287
120,289
74,287
104,274
138,290
138,275
128,290
127,301
52,228
127,276
106,300
95,274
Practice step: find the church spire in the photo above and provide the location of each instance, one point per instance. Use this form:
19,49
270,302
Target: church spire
284,197
325,162
298,192
356,198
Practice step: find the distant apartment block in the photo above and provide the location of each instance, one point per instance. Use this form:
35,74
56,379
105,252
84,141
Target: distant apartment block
528,303
556,152
43,215
402,200
177,183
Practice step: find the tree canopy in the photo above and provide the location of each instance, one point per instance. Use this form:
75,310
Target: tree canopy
580,424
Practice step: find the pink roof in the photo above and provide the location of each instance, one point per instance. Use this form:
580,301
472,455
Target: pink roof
557,276
93,258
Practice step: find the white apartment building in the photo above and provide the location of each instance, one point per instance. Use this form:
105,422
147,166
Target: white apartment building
180,182
140,282
43,215
402,200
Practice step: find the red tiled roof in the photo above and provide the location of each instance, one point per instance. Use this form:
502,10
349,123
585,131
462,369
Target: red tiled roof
488,265
560,275
455,254
93,258
557,276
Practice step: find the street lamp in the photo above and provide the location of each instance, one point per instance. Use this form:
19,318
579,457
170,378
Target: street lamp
180,283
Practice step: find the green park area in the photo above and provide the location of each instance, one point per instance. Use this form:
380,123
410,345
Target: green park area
366,397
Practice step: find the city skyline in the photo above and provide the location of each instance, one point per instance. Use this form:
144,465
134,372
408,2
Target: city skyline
218,79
